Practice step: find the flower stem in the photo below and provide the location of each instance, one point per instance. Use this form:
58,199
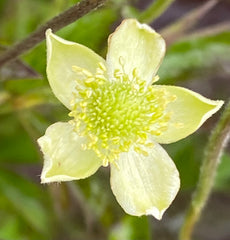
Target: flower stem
214,149
65,18
154,10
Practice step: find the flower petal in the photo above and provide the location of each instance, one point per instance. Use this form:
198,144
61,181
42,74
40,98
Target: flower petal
145,184
61,56
64,158
188,112
137,46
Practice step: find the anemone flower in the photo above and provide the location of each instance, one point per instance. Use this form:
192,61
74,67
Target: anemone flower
119,117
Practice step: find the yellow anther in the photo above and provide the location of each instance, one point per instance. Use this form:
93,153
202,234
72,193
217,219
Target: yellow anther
172,98
117,73
100,76
125,78
156,132
140,141
178,125
116,165
102,66
77,124
116,140
105,145
78,88
88,93
137,149
149,144
83,104
101,81
121,61
145,153
141,151
82,71
87,73
105,162
163,128
143,136
93,138
72,122
82,116
90,79
124,148
76,69
83,146
135,73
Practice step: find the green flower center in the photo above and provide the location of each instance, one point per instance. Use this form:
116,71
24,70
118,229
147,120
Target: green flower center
118,114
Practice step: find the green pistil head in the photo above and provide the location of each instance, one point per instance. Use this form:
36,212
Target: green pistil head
118,114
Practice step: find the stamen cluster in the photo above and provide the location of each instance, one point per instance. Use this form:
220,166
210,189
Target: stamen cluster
119,113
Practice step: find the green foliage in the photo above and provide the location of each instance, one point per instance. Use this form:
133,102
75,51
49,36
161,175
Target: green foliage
91,35
16,146
197,57
23,205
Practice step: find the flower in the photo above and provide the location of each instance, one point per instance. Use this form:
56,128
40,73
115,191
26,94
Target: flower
119,117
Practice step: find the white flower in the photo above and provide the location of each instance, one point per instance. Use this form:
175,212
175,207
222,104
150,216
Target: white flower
119,117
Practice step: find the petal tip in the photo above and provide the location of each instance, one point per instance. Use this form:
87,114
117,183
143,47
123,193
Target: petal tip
154,211
43,142
48,32
219,104
44,180
142,48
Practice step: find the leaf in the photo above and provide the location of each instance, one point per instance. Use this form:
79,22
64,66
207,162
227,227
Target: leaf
25,199
23,85
10,228
15,145
91,30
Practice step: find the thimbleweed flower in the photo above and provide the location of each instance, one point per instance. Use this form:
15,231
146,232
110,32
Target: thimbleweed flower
119,117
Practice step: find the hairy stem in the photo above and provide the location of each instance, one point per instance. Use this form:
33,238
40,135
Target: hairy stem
154,10
65,18
214,149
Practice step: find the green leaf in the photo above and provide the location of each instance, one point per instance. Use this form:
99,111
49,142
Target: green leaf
23,85
16,145
10,228
91,30
25,199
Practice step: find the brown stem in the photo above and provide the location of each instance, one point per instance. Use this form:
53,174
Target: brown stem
65,18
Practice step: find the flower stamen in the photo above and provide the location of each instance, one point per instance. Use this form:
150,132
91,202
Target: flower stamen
119,114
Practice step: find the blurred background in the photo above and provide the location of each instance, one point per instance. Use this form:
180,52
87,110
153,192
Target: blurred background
198,57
